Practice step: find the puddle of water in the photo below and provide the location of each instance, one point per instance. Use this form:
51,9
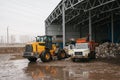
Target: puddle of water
39,72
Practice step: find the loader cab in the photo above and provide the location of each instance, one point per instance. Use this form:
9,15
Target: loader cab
47,40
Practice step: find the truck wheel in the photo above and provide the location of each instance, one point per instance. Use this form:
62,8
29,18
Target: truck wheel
32,59
45,56
75,59
92,55
61,55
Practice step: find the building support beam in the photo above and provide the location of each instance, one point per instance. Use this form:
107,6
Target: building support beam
112,27
90,26
63,22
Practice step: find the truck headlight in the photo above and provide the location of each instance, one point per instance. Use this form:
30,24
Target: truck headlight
71,52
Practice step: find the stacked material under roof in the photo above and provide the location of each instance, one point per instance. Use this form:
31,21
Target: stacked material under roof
108,50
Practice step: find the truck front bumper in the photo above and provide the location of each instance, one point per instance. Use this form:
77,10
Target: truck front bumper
79,57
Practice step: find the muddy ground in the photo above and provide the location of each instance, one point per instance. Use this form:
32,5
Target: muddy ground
14,67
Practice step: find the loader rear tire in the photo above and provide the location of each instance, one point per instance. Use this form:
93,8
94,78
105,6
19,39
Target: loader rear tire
46,56
61,54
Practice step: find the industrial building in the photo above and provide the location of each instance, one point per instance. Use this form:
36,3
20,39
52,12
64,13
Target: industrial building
78,18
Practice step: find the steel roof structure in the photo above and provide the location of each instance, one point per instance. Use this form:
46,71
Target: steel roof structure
78,12
79,9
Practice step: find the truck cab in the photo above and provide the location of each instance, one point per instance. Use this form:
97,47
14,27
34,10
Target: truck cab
81,50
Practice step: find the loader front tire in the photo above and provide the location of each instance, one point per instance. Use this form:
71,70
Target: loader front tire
46,56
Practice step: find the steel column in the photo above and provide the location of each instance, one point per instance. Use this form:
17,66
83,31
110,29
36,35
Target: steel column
112,27
90,27
63,22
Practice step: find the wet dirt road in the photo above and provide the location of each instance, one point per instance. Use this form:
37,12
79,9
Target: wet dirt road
14,67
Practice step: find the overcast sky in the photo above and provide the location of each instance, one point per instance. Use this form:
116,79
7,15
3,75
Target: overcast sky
25,16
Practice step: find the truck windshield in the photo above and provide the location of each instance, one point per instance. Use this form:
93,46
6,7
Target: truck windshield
81,46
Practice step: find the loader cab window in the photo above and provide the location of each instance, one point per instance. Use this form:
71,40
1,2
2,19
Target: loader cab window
43,39
48,41
39,39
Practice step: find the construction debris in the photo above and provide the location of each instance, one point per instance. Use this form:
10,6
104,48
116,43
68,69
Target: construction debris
107,50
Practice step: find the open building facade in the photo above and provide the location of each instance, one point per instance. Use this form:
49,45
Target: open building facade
78,18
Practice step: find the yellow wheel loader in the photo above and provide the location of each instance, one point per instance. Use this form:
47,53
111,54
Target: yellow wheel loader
44,49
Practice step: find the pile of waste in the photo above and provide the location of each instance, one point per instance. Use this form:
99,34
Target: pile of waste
107,50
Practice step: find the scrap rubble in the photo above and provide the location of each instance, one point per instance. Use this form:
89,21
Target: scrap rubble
108,50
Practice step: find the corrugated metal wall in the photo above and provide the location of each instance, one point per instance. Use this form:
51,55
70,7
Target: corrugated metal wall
100,32
54,30
72,32
84,30
117,31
